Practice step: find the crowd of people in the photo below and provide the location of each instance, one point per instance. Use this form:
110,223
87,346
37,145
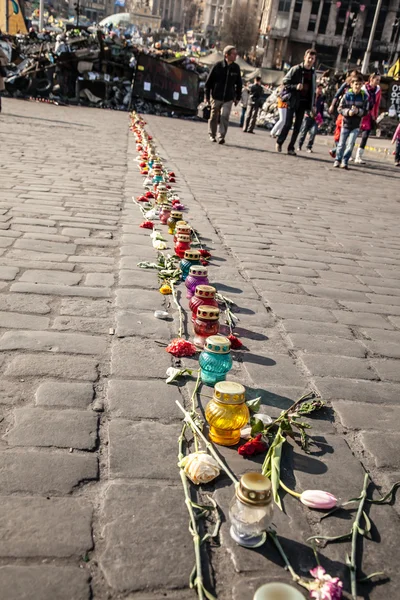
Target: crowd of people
301,105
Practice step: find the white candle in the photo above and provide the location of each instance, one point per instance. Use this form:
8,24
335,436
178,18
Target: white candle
277,591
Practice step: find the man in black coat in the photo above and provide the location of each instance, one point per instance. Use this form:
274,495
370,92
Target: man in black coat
223,88
299,89
253,104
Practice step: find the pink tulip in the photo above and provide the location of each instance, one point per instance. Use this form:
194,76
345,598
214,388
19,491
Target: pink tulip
318,499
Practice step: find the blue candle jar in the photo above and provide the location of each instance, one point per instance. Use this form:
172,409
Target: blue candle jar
215,360
190,259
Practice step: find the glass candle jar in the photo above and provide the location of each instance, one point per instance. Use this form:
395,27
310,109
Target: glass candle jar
162,197
205,324
175,216
204,295
182,244
215,361
227,412
182,229
165,213
191,258
250,511
198,275
277,591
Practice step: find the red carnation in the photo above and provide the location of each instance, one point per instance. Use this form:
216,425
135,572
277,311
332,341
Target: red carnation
171,174
149,195
254,446
142,164
204,262
147,225
142,199
180,347
205,253
168,187
235,342
172,179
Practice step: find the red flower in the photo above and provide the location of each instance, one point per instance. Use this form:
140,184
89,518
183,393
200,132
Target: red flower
254,446
149,137
235,342
204,262
142,199
172,179
205,253
168,187
142,164
171,174
175,201
180,347
147,225
149,195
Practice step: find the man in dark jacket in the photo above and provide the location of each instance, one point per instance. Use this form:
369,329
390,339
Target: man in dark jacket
299,85
253,104
223,87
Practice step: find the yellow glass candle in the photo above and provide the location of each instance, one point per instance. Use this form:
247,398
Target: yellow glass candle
227,413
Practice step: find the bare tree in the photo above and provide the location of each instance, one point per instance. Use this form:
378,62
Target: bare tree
240,27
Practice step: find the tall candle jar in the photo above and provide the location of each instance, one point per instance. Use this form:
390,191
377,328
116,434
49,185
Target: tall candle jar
227,412
205,324
182,244
215,360
250,511
204,295
190,259
198,275
182,229
175,216
165,213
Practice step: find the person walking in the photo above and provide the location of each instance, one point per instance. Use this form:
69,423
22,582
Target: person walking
372,88
312,120
223,88
253,105
282,110
353,106
243,102
396,139
300,82
333,108
3,63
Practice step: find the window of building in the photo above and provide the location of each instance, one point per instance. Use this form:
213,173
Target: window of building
324,17
284,6
312,22
396,28
295,20
341,17
381,21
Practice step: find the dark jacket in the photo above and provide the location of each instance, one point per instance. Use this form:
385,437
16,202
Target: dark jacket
255,94
350,99
291,80
224,82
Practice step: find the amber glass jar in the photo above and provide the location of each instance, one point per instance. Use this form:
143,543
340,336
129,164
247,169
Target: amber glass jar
227,413
176,216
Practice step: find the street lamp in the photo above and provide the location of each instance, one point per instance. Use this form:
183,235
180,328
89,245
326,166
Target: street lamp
367,55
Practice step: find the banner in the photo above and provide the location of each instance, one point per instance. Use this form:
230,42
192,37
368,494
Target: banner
15,22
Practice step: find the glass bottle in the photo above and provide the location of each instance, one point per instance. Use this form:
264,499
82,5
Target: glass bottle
190,259
165,213
250,511
198,275
175,216
162,197
227,412
204,295
215,360
206,324
182,244
182,229
277,591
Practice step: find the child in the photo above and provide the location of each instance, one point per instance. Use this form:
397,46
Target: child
353,106
309,126
396,138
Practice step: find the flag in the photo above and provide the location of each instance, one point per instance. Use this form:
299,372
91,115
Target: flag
15,21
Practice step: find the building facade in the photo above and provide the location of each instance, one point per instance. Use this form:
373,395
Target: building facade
216,13
339,31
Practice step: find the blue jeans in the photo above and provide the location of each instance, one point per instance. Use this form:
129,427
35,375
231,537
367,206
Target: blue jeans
309,126
242,114
397,155
346,144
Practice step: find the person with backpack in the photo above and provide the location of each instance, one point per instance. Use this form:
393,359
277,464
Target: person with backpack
299,83
372,88
353,106
333,109
253,105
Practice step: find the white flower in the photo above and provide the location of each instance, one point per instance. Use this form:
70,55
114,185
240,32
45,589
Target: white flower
151,214
159,245
200,467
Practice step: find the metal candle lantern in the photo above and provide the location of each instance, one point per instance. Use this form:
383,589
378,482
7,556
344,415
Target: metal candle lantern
250,511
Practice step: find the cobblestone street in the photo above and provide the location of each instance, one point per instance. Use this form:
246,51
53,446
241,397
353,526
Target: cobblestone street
91,499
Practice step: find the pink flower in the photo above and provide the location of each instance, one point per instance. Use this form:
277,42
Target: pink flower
325,587
318,499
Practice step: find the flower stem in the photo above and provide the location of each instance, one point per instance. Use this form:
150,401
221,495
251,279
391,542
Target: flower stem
288,490
355,531
207,444
281,551
194,407
180,331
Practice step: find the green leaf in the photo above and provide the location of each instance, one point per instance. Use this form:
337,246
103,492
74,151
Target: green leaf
388,495
208,594
174,374
329,539
367,522
369,577
254,404
147,265
256,426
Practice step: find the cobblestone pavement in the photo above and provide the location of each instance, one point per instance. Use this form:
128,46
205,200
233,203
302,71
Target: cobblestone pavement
91,501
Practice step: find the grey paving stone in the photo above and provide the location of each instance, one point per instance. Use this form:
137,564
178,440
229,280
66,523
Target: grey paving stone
317,328
138,278
29,255
45,472
47,428
336,293
82,259
324,365
144,359
384,448
44,582
86,307
388,370
143,400
323,344
385,299
101,326
387,350
298,271
43,246
97,279
129,456
20,321
142,324
139,299
275,298
276,369
73,343
383,309
34,221
15,392
51,277
39,527
19,261
155,512
359,415
8,273
381,335
65,367
362,319
395,321
70,395
75,232
59,290
336,388
309,313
